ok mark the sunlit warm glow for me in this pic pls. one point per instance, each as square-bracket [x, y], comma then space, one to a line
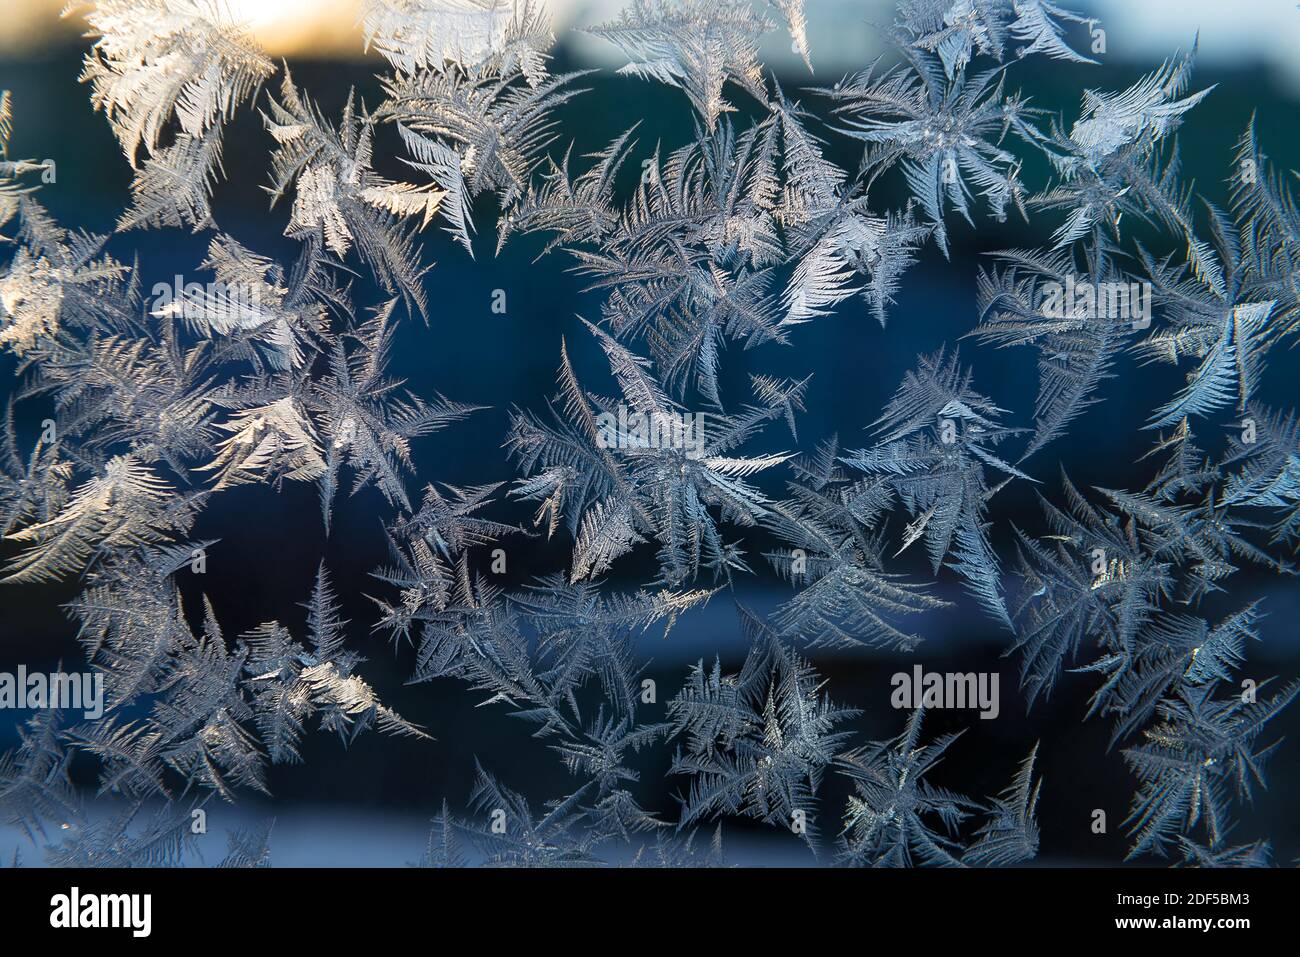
[301, 27]
[282, 27]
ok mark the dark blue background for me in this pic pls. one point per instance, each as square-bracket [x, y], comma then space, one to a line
[272, 542]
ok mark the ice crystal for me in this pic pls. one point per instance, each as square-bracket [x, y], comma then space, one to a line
[162, 399]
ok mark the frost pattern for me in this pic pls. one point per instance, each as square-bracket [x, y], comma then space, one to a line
[739, 236]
